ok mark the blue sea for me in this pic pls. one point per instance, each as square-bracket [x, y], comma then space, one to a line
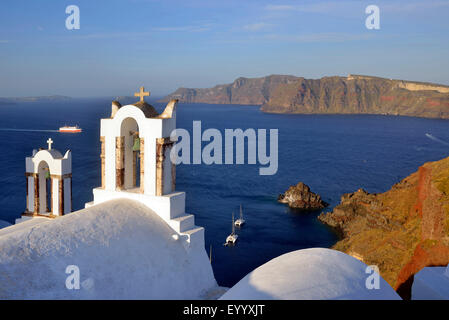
[333, 154]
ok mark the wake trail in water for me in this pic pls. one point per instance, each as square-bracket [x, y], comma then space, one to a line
[27, 130]
[431, 137]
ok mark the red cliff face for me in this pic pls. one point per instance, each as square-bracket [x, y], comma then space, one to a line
[328, 95]
[360, 95]
[426, 254]
[402, 230]
[432, 250]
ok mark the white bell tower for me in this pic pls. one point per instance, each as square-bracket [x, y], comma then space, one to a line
[135, 164]
[49, 183]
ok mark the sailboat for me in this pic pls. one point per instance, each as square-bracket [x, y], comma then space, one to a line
[240, 221]
[232, 238]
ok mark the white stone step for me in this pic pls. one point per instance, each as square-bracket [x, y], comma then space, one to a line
[88, 204]
[182, 223]
[195, 236]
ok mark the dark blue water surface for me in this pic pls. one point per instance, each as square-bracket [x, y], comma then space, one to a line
[333, 154]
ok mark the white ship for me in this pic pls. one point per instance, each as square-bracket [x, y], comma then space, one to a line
[70, 129]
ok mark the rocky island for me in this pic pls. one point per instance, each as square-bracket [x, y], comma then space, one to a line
[354, 94]
[300, 197]
[15, 100]
[402, 230]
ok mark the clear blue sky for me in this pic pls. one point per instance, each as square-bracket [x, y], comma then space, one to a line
[167, 44]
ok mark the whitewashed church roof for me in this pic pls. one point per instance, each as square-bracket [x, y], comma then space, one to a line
[123, 250]
[310, 274]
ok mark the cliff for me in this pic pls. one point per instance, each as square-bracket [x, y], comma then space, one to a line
[256, 91]
[360, 95]
[354, 94]
[402, 230]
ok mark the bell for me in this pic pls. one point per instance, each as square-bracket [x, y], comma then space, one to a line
[47, 174]
[136, 146]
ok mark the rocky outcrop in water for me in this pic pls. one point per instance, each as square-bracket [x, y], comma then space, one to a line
[402, 230]
[300, 197]
[354, 94]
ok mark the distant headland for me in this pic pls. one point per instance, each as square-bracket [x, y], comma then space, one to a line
[14, 100]
[354, 94]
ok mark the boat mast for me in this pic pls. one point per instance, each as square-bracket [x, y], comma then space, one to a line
[233, 225]
[241, 212]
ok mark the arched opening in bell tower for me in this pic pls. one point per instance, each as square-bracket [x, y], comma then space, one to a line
[45, 188]
[132, 157]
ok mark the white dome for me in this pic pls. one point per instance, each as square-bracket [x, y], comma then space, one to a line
[315, 273]
[122, 248]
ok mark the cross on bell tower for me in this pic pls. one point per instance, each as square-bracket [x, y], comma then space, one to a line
[142, 94]
[50, 142]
